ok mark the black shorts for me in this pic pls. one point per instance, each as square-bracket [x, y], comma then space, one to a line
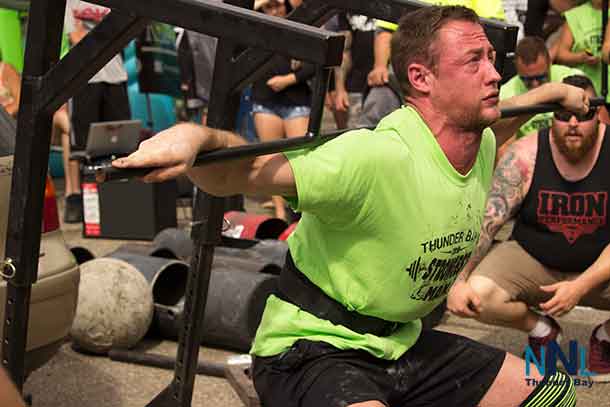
[441, 369]
[97, 102]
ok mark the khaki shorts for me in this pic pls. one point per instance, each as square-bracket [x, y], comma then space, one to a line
[514, 270]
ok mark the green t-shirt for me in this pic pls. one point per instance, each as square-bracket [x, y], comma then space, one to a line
[515, 86]
[585, 23]
[387, 224]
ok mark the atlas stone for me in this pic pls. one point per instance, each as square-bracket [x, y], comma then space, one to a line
[115, 306]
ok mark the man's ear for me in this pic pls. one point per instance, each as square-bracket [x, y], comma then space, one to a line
[419, 77]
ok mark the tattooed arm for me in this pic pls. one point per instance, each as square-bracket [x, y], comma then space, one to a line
[511, 182]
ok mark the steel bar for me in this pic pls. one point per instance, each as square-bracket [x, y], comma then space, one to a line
[105, 172]
[163, 361]
[543, 108]
[28, 182]
[244, 26]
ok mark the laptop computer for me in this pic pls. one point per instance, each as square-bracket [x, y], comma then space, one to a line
[113, 139]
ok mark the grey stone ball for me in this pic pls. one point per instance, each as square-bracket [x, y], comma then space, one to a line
[115, 306]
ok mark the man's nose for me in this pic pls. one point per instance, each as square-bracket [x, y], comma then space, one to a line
[573, 122]
[494, 76]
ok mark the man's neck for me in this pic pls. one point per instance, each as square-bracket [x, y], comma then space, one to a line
[577, 171]
[460, 146]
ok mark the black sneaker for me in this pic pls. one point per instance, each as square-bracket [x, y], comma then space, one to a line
[73, 212]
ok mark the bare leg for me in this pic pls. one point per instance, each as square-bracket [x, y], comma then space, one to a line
[499, 309]
[71, 178]
[368, 404]
[270, 127]
[296, 127]
[61, 123]
[341, 118]
[75, 175]
[9, 396]
[510, 387]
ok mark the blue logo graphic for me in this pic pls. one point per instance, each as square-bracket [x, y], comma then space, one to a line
[575, 365]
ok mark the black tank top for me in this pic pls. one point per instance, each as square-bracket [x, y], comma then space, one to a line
[563, 224]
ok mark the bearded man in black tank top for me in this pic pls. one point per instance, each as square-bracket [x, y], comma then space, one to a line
[555, 184]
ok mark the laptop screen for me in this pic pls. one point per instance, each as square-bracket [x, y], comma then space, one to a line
[116, 138]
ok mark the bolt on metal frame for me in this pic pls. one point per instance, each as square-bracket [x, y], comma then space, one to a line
[247, 42]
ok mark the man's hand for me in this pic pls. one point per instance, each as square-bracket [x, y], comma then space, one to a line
[567, 295]
[574, 99]
[172, 151]
[341, 101]
[379, 76]
[463, 301]
[588, 59]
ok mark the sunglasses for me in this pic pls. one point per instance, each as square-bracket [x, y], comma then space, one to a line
[566, 115]
[539, 78]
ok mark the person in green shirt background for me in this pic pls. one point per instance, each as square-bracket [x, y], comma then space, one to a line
[534, 68]
[11, 43]
[580, 44]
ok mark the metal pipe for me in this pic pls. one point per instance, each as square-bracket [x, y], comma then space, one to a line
[163, 362]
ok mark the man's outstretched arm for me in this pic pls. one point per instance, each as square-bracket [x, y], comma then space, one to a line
[173, 152]
[571, 97]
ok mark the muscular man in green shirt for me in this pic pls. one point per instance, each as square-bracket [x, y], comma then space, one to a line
[389, 218]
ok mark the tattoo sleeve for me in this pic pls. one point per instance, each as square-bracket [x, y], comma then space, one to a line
[510, 184]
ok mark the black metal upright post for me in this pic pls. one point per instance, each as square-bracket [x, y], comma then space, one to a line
[30, 163]
[207, 221]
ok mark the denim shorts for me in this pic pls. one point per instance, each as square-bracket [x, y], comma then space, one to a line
[285, 112]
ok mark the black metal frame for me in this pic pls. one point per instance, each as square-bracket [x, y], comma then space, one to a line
[247, 41]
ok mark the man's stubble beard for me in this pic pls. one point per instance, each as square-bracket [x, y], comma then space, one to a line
[575, 154]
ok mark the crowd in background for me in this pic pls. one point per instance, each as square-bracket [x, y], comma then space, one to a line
[362, 91]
